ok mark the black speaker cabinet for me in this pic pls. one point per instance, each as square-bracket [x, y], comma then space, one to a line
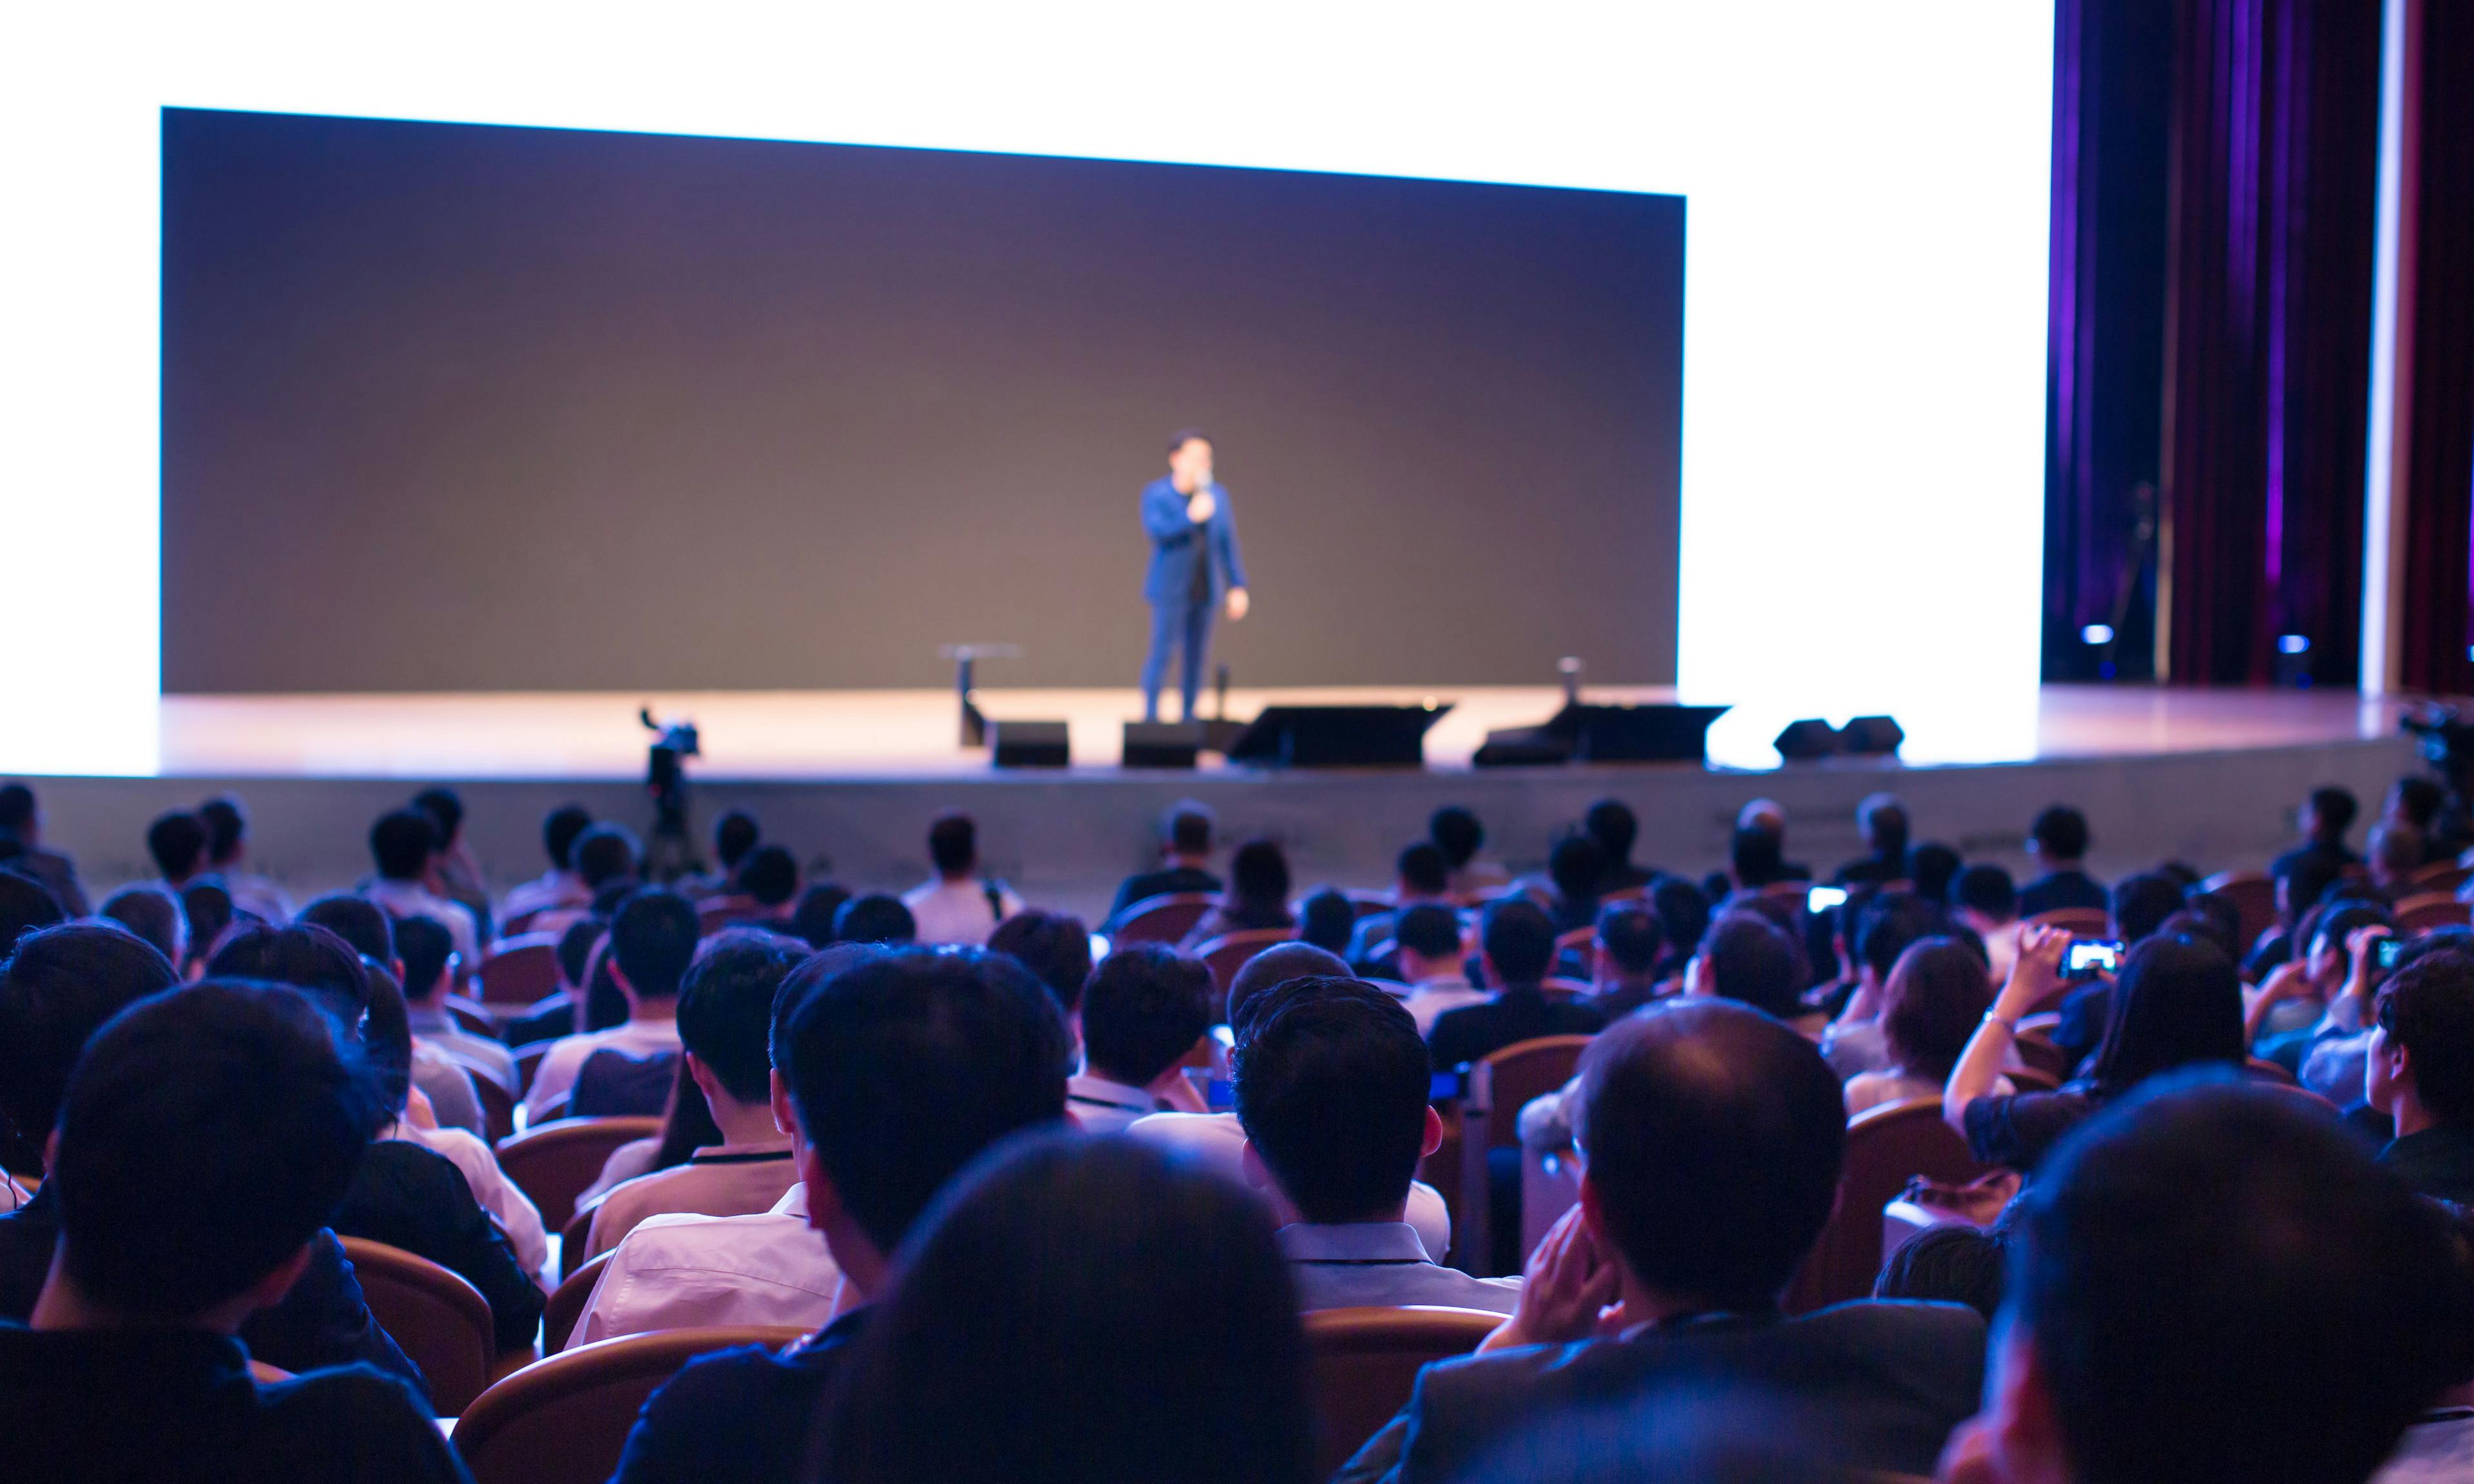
[1030, 744]
[1162, 744]
[1337, 736]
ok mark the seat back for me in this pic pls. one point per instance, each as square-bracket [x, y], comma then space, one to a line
[2423, 913]
[497, 1107]
[439, 1320]
[2078, 921]
[565, 1306]
[1364, 1362]
[710, 920]
[1164, 919]
[559, 1160]
[2441, 875]
[1886, 1146]
[1228, 953]
[572, 1239]
[1580, 937]
[1499, 1084]
[2253, 896]
[565, 1419]
[518, 971]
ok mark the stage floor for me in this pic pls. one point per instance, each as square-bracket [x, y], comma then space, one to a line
[787, 736]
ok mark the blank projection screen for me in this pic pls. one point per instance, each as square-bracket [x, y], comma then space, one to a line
[547, 408]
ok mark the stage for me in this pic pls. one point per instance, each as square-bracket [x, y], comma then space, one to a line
[849, 779]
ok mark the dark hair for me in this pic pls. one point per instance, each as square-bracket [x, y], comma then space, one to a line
[1422, 868]
[2142, 903]
[1331, 1088]
[25, 905]
[402, 843]
[1752, 961]
[734, 834]
[445, 809]
[2427, 1007]
[1429, 929]
[2219, 921]
[1189, 830]
[1456, 832]
[305, 956]
[1937, 991]
[1268, 970]
[2178, 1255]
[1714, 1136]
[1886, 923]
[1184, 436]
[2060, 832]
[1613, 824]
[771, 874]
[1258, 875]
[726, 1007]
[2336, 809]
[358, 921]
[16, 807]
[905, 1065]
[1327, 918]
[209, 911]
[2176, 1002]
[813, 918]
[2306, 876]
[1144, 1008]
[606, 852]
[1055, 948]
[875, 917]
[560, 829]
[1757, 857]
[575, 948]
[55, 989]
[385, 1036]
[1576, 865]
[208, 1134]
[686, 1121]
[1951, 1264]
[1986, 889]
[2419, 799]
[423, 944]
[1682, 909]
[1932, 867]
[653, 938]
[178, 842]
[1629, 932]
[1518, 940]
[2336, 921]
[1884, 821]
[953, 843]
[1139, 1324]
[151, 913]
[226, 823]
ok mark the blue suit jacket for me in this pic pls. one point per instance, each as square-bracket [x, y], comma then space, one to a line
[1174, 548]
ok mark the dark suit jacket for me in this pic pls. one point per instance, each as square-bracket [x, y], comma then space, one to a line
[1865, 1385]
[1516, 1015]
[410, 1197]
[2060, 889]
[1168, 880]
[1177, 544]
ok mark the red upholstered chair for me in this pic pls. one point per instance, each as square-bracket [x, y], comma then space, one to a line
[2432, 909]
[2441, 875]
[565, 1420]
[1367, 903]
[441, 1321]
[1365, 1361]
[2253, 896]
[1499, 1084]
[1161, 918]
[1886, 1147]
[2078, 921]
[565, 1306]
[518, 971]
[1228, 953]
[556, 1161]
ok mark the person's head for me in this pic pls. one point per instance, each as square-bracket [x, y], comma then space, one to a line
[1744, 957]
[1885, 925]
[2323, 934]
[445, 810]
[208, 908]
[726, 1013]
[875, 917]
[1422, 872]
[305, 956]
[25, 904]
[2393, 852]
[1189, 458]
[1627, 941]
[426, 951]
[813, 918]
[1576, 865]
[2328, 813]
[734, 835]
[1056, 946]
[1327, 918]
[1332, 1090]
[652, 941]
[954, 844]
[358, 921]
[1457, 833]
[1763, 814]
[900, 1068]
[2303, 883]
[1428, 938]
[152, 913]
[226, 822]
[2222, 920]
[19, 815]
[1258, 875]
[1937, 993]
[1613, 824]
[1682, 911]
[178, 842]
[1186, 833]
[1137, 1322]
[576, 949]
[1145, 1012]
[402, 843]
[1714, 1136]
[2422, 1041]
[2177, 1002]
[2212, 1282]
[56, 988]
[1931, 869]
[1884, 821]
[2416, 799]
[1516, 942]
[1951, 1264]
[769, 874]
[2141, 903]
[1757, 857]
[1987, 893]
[1268, 970]
[561, 827]
[606, 854]
[206, 1134]
[2059, 836]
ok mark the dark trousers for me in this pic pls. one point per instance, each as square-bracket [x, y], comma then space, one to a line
[1189, 622]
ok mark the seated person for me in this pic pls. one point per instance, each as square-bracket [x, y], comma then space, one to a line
[1332, 1092]
[2058, 840]
[1956, 1263]
[1420, 876]
[1054, 945]
[2306, 882]
[898, 1069]
[1715, 1140]
[427, 953]
[1885, 925]
[25, 904]
[652, 941]
[1185, 861]
[2211, 1281]
[1984, 900]
[812, 917]
[2281, 1018]
[2333, 1064]
[177, 843]
[2136, 907]
[226, 822]
[2324, 818]
[1257, 896]
[562, 885]
[1937, 993]
[875, 917]
[2420, 1072]
[1882, 821]
[956, 906]
[1613, 824]
[609, 862]
[1574, 868]
[1932, 867]
[1145, 1018]
[1434, 963]
[203, 1140]
[736, 835]
[408, 852]
[1515, 949]
[60, 985]
[1624, 957]
[1682, 911]
[769, 885]
[21, 820]
[369, 931]
[153, 914]
[726, 1025]
[2394, 853]
[1456, 831]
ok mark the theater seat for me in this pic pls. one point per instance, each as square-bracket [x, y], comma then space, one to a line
[2078, 921]
[565, 1420]
[441, 1321]
[1499, 1084]
[556, 1161]
[1228, 953]
[1161, 918]
[2253, 896]
[565, 1306]
[1364, 1362]
[2432, 910]
[518, 971]
[1886, 1147]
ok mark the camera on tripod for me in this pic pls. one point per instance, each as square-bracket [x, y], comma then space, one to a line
[671, 853]
[2445, 743]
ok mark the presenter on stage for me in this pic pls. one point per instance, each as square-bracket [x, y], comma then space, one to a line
[1194, 565]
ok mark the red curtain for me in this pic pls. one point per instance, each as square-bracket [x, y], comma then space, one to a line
[2435, 461]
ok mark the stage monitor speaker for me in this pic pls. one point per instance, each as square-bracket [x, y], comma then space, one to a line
[1807, 741]
[1337, 736]
[1162, 744]
[1016, 744]
[1605, 733]
[1872, 735]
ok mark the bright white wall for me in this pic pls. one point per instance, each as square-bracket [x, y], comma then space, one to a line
[1865, 272]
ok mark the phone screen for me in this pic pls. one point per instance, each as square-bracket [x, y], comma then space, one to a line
[1821, 898]
[2386, 951]
[2087, 960]
[1444, 1086]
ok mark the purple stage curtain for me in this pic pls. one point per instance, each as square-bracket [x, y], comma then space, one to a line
[2436, 335]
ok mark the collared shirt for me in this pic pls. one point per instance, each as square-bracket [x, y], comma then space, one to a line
[2438, 1449]
[566, 1057]
[959, 912]
[1104, 1107]
[1431, 999]
[479, 1055]
[251, 891]
[412, 899]
[1381, 1265]
[510, 1207]
[548, 892]
[687, 1271]
[1217, 1140]
[448, 1084]
[723, 1180]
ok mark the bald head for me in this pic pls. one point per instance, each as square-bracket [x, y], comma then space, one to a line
[1762, 814]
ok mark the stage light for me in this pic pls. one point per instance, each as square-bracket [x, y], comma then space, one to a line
[2096, 633]
[2292, 644]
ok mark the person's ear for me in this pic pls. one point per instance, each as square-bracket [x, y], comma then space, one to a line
[2025, 1434]
[269, 1291]
[786, 1118]
[51, 1149]
[1257, 1174]
[824, 1202]
[1697, 977]
[1433, 1139]
[701, 1075]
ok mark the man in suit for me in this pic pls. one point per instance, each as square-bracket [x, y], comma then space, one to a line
[1194, 565]
[1715, 1136]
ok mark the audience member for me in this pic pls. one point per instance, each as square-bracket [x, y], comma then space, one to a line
[2139, 904]
[956, 906]
[404, 845]
[1433, 963]
[1937, 990]
[2058, 840]
[1951, 1263]
[204, 1139]
[652, 941]
[367, 931]
[425, 950]
[1332, 1092]
[1149, 1325]
[1456, 831]
[208, 908]
[1715, 1138]
[1420, 876]
[1932, 867]
[2396, 855]
[736, 835]
[1624, 958]
[226, 822]
[1682, 916]
[2421, 802]
[768, 879]
[875, 917]
[1768, 816]
[813, 918]
[1573, 868]
[1882, 821]
[899, 1068]
[686, 1126]
[1613, 824]
[456, 873]
[1516, 949]
[25, 905]
[1145, 1018]
[1986, 903]
[1328, 920]
[1885, 925]
[2285, 1014]
[2323, 819]
[153, 914]
[1756, 861]
[1185, 851]
[2420, 1071]
[560, 888]
[21, 820]
[1257, 896]
[608, 858]
[2303, 881]
[176, 841]
[1054, 946]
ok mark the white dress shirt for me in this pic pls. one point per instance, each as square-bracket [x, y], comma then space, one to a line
[1431, 999]
[412, 899]
[566, 1057]
[721, 1180]
[510, 1207]
[1104, 1107]
[548, 892]
[256, 894]
[957, 912]
[1381, 1265]
[685, 1271]
[1218, 1141]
